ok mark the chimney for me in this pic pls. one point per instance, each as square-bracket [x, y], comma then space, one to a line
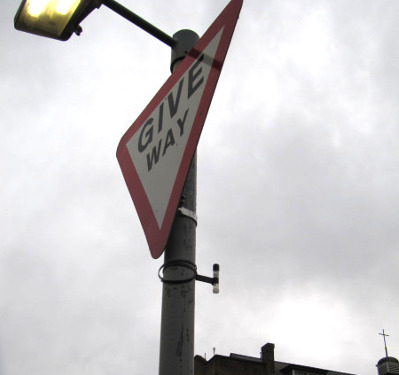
[268, 358]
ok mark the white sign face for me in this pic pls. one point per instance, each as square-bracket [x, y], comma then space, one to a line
[157, 148]
[155, 153]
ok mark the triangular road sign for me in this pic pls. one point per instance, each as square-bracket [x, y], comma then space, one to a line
[156, 151]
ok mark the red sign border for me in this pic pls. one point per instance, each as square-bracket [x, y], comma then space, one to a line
[157, 237]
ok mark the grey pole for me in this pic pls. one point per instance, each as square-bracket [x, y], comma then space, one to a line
[178, 295]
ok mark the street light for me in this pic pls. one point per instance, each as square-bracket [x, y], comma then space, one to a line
[59, 19]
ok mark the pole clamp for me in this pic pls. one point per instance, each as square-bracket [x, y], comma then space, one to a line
[188, 213]
[192, 267]
[178, 263]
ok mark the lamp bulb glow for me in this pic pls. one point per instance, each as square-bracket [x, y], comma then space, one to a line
[36, 7]
[64, 6]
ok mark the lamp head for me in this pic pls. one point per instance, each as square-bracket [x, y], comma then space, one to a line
[57, 19]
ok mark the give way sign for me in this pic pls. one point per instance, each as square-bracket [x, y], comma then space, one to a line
[156, 151]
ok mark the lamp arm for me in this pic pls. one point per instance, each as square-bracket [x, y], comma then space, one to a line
[140, 22]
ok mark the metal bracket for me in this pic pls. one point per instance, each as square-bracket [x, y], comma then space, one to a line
[188, 213]
[191, 266]
[178, 263]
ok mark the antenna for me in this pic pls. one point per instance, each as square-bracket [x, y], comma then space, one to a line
[385, 343]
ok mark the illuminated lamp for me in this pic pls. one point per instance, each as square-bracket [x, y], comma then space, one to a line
[57, 19]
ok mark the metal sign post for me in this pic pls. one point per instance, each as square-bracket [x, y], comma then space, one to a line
[157, 156]
[178, 293]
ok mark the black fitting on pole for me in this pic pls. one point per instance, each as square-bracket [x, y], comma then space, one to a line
[185, 40]
[191, 266]
[178, 263]
[140, 22]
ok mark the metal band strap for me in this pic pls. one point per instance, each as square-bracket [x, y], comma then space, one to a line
[188, 213]
[178, 263]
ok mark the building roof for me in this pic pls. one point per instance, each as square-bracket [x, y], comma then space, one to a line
[281, 368]
[387, 359]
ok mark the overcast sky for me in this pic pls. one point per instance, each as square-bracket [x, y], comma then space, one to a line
[298, 174]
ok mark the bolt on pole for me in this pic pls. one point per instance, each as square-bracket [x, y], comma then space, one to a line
[178, 294]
